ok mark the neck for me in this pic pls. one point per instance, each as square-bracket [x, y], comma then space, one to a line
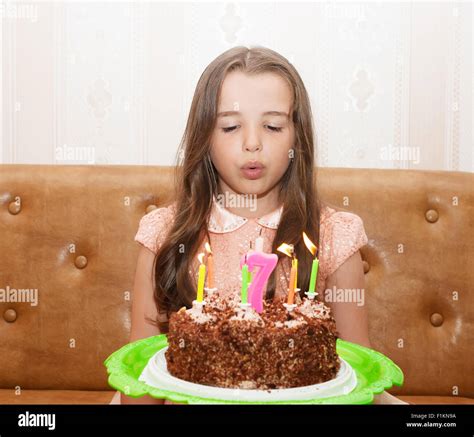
[249, 205]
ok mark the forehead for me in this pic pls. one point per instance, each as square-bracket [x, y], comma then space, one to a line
[255, 93]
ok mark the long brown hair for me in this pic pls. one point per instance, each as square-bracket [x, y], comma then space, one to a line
[196, 182]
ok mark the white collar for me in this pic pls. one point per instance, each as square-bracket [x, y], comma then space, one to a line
[222, 220]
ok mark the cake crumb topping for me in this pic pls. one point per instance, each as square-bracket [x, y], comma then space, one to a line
[199, 316]
[290, 323]
[247, 313]
[314, 309]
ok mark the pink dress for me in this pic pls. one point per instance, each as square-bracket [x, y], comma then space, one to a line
[341, 235]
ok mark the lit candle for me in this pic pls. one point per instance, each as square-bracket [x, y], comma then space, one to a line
[202, 275]
[249, 277]
[315, 266]
[245, 284]
[266, 263]
[210, 266]
[289, 250]
[295, 262]
[291, 291]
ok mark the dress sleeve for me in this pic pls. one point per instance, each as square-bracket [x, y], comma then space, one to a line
[343, 235]
[154, 227]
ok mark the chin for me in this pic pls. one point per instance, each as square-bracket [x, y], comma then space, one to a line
[254, 187]
[256, 191]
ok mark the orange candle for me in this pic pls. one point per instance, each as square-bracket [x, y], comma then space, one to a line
[295, 261]
[288, 250]
[291, 291]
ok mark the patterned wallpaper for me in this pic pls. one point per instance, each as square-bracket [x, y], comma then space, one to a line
[112, 83]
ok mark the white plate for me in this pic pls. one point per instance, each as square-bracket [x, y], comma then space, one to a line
[156, 375]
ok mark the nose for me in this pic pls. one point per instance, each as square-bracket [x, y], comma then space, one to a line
[252, 148]
[252, 142]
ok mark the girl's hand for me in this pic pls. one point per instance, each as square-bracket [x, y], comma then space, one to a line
[387, 398]
[143, 400]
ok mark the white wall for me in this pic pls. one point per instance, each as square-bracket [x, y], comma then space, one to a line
[111, 83]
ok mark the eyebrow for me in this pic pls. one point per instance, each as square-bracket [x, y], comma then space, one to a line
[229, 113]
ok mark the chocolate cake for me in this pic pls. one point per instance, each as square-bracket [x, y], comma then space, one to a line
[225, 344]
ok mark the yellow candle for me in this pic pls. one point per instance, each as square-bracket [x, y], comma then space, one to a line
[201, 277]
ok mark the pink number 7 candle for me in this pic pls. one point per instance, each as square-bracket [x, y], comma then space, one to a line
[266, 263]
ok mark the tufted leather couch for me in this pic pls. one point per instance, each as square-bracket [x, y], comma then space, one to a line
[68, 231]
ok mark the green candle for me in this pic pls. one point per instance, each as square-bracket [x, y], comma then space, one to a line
[314, 268]
[314, 275]
[245, 283]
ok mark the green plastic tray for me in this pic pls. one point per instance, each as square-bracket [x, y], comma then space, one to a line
[375, 373]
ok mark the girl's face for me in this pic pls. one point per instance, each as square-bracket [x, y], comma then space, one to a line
[254, 132]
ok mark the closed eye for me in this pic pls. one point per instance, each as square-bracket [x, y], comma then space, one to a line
[229, 129]
[275, 129]
[232, 128]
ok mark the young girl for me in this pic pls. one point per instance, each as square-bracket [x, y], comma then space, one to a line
[249, 132]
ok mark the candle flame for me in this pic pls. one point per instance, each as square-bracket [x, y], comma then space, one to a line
[201, 257]
[208, 248]
[287, 249]
[309, 244]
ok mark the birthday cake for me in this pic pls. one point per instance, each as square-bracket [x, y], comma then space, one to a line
[227, 344]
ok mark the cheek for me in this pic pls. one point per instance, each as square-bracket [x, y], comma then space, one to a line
[280, 160]
[279, 154]
[222, 152]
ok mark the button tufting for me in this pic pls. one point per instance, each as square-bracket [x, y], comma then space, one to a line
[80, 262]
[14, 207]
[366, 266]
[150, 208]
[9, 315]
[436, 319]
[432, 215]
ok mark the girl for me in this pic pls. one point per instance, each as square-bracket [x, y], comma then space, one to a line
[249, 132]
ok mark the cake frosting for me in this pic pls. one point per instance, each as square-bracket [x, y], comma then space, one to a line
[225, 344]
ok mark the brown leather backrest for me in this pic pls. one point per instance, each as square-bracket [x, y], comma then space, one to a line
[68, 231]
[420, 296]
